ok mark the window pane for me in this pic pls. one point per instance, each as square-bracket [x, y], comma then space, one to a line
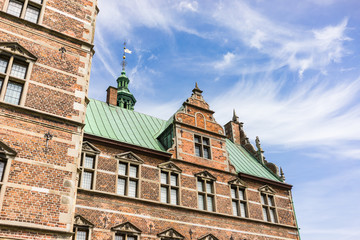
[89, 161]
[241, 194]
[121, 186]
[32, 14]
[263, 199]
[164, 177]
[206, 141]
[265, 214]
[243, 209]
[133, 171]
[272, 215]
[81, 235]
[3, 65]
[173, 180]
[122, 169]
[209, 187]
[164, 194]
[18, 70]
[201, 202]
[235, 208]
[206, 152]
[200, 186]
[271, 200]
[132, 188]
[87, 180]
[174, 196]
[15, 8]
[197, 139]
[198, 150]
[119, 237]
[2, 169]
[210, 204]
[13, 93]
[1, 82]
[131, 238]
[37, 1]
[233, 192]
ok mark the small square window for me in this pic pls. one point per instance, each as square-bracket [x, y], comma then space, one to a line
[202, 147]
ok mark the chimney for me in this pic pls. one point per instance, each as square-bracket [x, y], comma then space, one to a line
[233, 129]
[111, 97]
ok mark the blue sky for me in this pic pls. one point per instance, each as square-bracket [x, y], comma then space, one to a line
[290, 69]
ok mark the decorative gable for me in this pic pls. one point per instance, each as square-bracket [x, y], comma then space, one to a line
[81, 221]
[238, 182]
[17, 49]
[129, 156]
[88, 147]
[170, 234]
[6, 151]
[206, 175]
[126, 227]
[170, 166]
[267, 189]
[208, 237]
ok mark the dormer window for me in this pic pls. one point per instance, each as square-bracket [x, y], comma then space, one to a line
[29, 10]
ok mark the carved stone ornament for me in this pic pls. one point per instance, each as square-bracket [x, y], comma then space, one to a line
[206, 175]
[238, 182]
[170, 234]
[267, 189]
[126, 227]
[17, 49]
[81, 221]
[129, 156]
[88, 147]
[208, 237]
[6, 151]
[170, 166]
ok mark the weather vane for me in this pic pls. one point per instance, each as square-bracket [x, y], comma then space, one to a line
[124, 57]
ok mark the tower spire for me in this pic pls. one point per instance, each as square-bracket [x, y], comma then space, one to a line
[125, 99]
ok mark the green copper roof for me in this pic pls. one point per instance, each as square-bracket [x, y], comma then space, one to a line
[244, 162]
[139, 129]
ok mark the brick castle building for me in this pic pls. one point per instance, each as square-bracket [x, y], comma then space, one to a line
[78, 168]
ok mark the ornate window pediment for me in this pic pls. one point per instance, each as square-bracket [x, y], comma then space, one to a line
[89, 148]
[82, 222]
[205, 175]
[170, 234]
[170, 166]
[126, 227]
[208, 237]
[267, 189]
[18, 50]
[237, 182]
[6, 151]
[129, 157]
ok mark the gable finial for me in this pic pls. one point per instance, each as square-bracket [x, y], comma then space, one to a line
[260, 151]
[282, 175]
[235, 117]
[197, 90]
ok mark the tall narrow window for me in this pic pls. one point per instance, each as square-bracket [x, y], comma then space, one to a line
[239, 202]
[28, 9]
[205, 194]
[82, 228]
[268, 206]
[169, 187]
[128, 178]
[202, 147]
[87, 171]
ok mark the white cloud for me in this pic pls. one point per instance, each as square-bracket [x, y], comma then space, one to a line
[188, 6]
[226, 62]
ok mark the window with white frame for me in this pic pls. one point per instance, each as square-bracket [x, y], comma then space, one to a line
[29, 10]
[15, 66]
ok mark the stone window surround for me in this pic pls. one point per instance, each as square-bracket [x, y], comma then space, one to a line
[13, 55]
[206, 177]
[170, 169]
[130, 159]
[80, 223]
[126, 230]
[7, 155]
[88, 150]
[239, 188]
[268, 192]
[202, 145]
[23, 11]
